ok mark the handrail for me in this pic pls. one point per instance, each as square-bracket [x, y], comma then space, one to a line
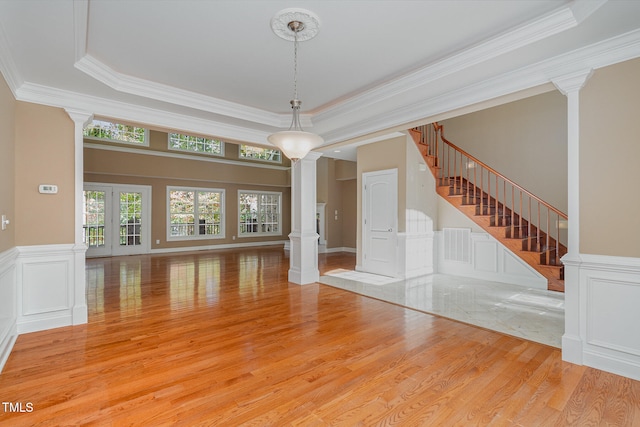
[440, 128]
[519, 210]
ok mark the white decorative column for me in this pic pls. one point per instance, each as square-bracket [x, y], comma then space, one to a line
[574, 296]
[303, 255]
[79, 311]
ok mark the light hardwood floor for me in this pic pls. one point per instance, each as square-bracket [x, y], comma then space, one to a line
[221, 338]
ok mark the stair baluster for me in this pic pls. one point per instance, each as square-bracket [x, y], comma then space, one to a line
[506, 219]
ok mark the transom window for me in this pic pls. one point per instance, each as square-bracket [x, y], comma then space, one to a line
[195, 213]
[260, 213]
[259, 153]
[195, 144]
[116, 132]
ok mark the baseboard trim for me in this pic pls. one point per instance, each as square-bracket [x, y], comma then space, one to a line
[214, 247]
[335, 250]
[8, 303]
[7, 345]
[611, 363]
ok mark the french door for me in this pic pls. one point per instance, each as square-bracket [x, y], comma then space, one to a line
[116, 219]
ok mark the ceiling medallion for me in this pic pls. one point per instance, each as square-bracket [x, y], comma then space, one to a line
[309, 20]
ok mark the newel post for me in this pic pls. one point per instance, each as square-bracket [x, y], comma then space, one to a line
[575, 298]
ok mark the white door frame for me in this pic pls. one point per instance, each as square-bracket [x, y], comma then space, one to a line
[385, 263]
[112, 218]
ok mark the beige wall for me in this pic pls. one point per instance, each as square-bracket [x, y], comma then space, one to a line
[349, 212]
[609, 155]
[525, 140]
[7, 153]
[346, 170]
[421, 195]
[336, 187]
[379, 156]
[44, 153]
[116, 167]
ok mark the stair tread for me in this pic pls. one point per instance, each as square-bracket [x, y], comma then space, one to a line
[550, 271]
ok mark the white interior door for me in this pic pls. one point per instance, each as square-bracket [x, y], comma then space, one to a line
[380, 222]
[117, 219]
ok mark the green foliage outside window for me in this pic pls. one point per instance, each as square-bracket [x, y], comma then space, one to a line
[115, 132]
[195, 213]
[194, 144]
[259, 153]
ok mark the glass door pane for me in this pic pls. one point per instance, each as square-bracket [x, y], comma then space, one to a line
[130, 218]
[95, 218]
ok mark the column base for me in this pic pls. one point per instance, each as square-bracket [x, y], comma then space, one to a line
[304, 258]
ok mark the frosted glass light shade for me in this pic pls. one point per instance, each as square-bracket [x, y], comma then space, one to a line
[295, 144]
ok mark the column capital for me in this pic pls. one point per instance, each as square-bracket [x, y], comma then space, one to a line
[572, 82]
[312, 155]
[79, 116]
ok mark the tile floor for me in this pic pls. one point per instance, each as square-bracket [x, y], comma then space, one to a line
[533, 314]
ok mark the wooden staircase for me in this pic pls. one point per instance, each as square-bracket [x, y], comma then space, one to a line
[531, 228]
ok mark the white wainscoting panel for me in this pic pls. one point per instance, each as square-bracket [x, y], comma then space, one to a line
[415, 254]
[489, 260]
[485, 255]
[8, 312]
[46, 286]
[611, 313]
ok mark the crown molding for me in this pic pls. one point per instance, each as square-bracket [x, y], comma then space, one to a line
[559, 20]
[161, 92]
[573, 82]
[608, 52]
[80, 27]
[598, 55]
[29, 92]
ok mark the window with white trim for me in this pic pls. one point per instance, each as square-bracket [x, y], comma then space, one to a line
[116, 132]
[195, 213]
[259, 213]
[260, 153]
[195, 144]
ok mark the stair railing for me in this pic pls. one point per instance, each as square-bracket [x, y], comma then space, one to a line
[540, 226]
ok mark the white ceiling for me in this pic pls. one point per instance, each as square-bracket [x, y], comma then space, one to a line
[214, 67]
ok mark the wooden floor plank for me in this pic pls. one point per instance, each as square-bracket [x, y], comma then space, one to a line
[221, 338]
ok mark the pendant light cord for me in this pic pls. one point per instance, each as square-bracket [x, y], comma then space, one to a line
[295, 26]
[295, 63]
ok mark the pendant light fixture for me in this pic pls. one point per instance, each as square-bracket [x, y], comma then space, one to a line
[295, 25]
